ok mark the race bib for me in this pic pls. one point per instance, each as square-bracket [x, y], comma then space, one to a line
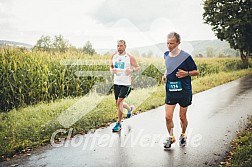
[119, 65]
[174, 86]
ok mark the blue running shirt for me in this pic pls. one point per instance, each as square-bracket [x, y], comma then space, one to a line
[184, 62]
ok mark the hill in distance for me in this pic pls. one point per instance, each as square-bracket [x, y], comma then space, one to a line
[14, 44]
[203, 48]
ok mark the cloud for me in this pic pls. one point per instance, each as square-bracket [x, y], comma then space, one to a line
[156, 18]
[7, 20]
[5, 8]
[27, 20]
[142, 13]
[102, 22]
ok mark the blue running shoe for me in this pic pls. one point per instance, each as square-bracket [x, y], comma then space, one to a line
[117, 127]
[129, 114]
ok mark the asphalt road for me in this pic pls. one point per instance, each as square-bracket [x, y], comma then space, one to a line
[214, 119]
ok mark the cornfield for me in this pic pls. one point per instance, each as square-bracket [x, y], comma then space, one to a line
[30, 77]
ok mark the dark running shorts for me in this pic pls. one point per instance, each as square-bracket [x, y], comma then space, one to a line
[183, 102]
[121, 91]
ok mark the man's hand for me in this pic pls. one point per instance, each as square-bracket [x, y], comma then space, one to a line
[128, 71]
[181, 73]
[113, 71]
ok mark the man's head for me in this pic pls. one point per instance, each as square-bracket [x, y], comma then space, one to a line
[121, 46]
[173, 40]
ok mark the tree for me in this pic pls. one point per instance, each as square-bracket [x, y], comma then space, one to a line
[209, 52]
[221, 55]
[231, 20]
[60, 44]
[44, 43]
[201, 55]
[88, 48]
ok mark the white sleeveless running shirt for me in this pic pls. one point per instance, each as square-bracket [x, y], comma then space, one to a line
[120, 63]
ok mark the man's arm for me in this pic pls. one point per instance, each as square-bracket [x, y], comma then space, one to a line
[111, 66]
[183, 73]
[164, 78]
[193, 73]
[134, 64]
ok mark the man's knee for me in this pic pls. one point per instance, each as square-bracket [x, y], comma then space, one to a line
[183, 118]
[118, 102]
[168, 119]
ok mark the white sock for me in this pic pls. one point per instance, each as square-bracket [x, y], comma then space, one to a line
[171, 132]
[129, 110]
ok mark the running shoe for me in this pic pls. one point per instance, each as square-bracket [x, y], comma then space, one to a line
[169, 142]
[117, 127]
[129, 114]
[182, 140]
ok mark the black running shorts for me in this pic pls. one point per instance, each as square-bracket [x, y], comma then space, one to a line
[183, 102]
[121, 91]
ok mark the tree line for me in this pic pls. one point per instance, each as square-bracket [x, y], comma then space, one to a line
[58, 43]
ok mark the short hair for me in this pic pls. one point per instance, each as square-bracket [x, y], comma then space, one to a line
[122, 41]
[174, 34]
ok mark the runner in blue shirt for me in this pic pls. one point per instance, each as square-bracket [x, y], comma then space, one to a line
[179, 68]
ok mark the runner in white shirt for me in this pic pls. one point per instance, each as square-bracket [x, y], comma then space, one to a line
[122, 65]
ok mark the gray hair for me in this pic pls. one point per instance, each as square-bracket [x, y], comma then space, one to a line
[174, 34]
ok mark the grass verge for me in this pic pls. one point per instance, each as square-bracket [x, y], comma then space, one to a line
[241, 149]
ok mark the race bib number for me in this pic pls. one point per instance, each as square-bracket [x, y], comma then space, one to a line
[174, 86]
[119, 65]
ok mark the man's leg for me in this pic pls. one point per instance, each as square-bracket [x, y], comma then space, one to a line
[119, 104]
[183, 118]
[183, 123]
[125, 105]
[120, 93]
[169, 109]
[129, 109]
[125, 91]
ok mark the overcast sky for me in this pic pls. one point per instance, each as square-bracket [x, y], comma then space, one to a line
[102, 22]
